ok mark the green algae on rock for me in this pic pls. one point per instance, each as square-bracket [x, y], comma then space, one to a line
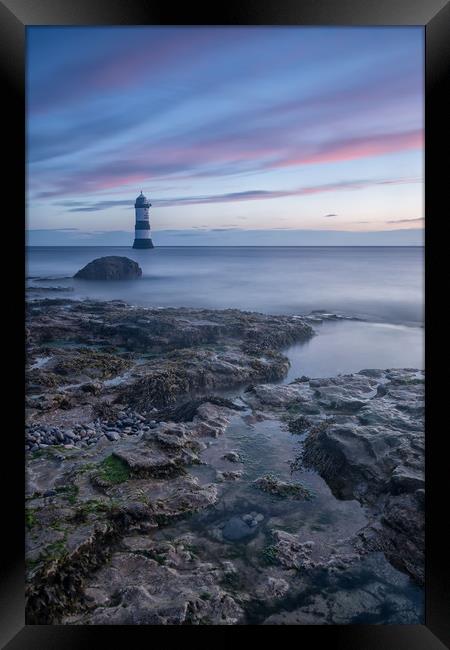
[273, 485]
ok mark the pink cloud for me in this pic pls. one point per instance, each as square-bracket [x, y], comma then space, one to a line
[219, 156]
[354, 148]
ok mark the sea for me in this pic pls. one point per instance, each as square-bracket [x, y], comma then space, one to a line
[378, 290]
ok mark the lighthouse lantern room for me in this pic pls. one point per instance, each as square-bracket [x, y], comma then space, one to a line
[142, 233]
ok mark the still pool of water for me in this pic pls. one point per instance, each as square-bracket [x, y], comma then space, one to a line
[343, 347]
[266, 447]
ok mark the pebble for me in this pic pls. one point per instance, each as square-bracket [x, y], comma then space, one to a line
[253, 519]
[127, 423]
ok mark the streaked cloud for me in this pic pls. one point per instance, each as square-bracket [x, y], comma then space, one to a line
[415, 220]
[248, 195]
[222, 116]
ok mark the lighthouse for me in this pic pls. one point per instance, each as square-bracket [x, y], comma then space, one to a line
[142, 234]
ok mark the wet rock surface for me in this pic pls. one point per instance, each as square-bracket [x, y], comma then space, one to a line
[109, 436]
[81, 502]
[154, 498]
[107, 367]
[364, 434]
[138, 590]
[273, 485]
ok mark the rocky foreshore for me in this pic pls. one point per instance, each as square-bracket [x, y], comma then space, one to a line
[130, 417]
[364, 434]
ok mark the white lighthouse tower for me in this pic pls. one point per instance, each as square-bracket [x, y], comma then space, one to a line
[142, 234]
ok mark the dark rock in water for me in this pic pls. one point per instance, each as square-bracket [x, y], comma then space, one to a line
[272, 485]
[186, 411]
[110, 268]
[236, 529]
[232, 456]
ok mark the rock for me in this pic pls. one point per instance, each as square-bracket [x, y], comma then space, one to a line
[110, 268]
[232, 456]
[291, 553]
[237, 529]
[147, 461]
[406, 480]
[357, 599]
[190, 351]
[93, 387]
[137, 590]
[228, 476]
[376, 455]
[275, 486]
[253, 519]
[365, 436]
[272, 588]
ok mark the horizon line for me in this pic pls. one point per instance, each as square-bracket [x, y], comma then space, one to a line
[232, 246]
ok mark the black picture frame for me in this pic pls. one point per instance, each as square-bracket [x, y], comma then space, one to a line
[15, 16]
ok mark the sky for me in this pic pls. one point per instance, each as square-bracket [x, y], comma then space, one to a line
[293, 135]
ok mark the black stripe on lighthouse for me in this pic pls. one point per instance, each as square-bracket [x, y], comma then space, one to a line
[142, 230]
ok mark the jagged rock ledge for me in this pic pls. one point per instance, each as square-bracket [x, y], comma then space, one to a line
[364, 434]
[97, 368]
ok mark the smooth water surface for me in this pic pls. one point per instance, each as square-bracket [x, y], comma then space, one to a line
[380, 284]
[343, 347]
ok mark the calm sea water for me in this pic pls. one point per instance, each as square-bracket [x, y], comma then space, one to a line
[382, 286]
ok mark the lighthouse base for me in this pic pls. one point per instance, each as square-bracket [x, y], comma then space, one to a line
[143, 243]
